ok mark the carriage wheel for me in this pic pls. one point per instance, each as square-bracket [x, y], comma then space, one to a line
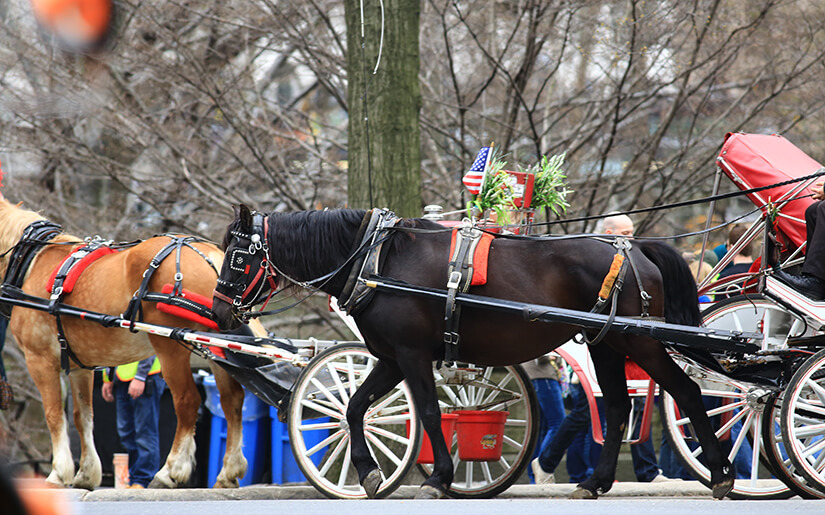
[495, 388]
[803, 420]
[777, 455]
[318, 430]
[731, 401]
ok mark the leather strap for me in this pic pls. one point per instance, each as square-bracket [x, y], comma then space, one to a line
[459, 277]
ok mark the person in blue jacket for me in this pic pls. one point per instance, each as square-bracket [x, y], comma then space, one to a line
[136, 389]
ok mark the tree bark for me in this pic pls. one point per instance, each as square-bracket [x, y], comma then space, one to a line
[384, 167]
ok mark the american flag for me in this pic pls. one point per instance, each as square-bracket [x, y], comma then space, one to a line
[474, 178]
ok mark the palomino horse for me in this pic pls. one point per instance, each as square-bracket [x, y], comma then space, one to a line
[107, 286]
[406, 332]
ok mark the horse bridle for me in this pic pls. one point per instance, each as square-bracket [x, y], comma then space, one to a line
[241, 260]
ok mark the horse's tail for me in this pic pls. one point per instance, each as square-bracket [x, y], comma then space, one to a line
[681, 297]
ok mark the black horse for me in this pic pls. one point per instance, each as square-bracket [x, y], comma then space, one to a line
[406, 332]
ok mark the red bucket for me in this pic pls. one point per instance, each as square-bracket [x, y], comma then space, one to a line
[480, 434]
[448, 421]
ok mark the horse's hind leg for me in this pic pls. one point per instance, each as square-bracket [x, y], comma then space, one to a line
[419, 374]
[378, 383]
[232, 399]
[174, 363]
[611, 376]
[89, 474]
[655, 361]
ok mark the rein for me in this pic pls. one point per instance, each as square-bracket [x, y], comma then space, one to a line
[259, 238]
[704, 200]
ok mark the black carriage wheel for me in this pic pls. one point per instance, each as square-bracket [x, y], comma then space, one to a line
[501, 388]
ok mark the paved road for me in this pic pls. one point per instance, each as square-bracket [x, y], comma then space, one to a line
[606, 505]
[671, 498]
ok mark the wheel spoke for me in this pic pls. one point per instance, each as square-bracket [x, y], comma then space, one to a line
[332, 398]
[372, 437]
[321, 409]
[339, 386]
[343, 446]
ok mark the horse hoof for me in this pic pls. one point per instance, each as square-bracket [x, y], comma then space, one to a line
[723, 488]
[82, 481]
[583, 493]
[429, 492]
[160, 483]
[371, 483]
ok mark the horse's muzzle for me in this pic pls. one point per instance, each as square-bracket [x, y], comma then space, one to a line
[224, 315]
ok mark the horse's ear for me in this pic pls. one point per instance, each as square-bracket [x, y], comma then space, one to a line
[244, 214]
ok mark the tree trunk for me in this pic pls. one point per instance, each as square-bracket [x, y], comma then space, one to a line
[383, 150]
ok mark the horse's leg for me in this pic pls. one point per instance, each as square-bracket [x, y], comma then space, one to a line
[653, 358]
[609, 366]
[44, 369]
[89, 474]
[232, 398]
[378, 383]
[419, 375]
[174, 364]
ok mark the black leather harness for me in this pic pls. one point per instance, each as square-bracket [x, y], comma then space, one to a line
[41, 232]
[459, 278]
[134, 311]
[623, 247]
[38, 234]
[374, 231]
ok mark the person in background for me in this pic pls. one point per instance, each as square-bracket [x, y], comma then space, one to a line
[700, 270]
[618, 224]
[575, 427]
[136, 389]
[743, 260]
[546, 374]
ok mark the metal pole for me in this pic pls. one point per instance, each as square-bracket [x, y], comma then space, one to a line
[708, 221]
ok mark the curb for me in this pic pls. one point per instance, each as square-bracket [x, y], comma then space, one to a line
[673, 488]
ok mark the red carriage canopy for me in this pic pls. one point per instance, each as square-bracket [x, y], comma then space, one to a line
[756, 160]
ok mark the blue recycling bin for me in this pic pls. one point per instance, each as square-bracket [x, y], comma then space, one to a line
[284, 467]
[255, 435]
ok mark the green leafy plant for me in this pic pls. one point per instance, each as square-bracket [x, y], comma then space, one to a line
[548, 188]
[497, 192]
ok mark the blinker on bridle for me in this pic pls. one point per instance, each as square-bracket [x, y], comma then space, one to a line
[240, 260]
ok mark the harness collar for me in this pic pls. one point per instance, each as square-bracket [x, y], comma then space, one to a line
[36, 235]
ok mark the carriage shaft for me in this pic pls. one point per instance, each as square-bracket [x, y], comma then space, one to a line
[711, 339]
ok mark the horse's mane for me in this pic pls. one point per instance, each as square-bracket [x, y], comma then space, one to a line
[309, 244]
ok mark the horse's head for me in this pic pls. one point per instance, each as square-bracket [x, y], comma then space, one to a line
[246, 274]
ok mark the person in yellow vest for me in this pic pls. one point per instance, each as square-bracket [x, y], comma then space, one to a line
[136, 389]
